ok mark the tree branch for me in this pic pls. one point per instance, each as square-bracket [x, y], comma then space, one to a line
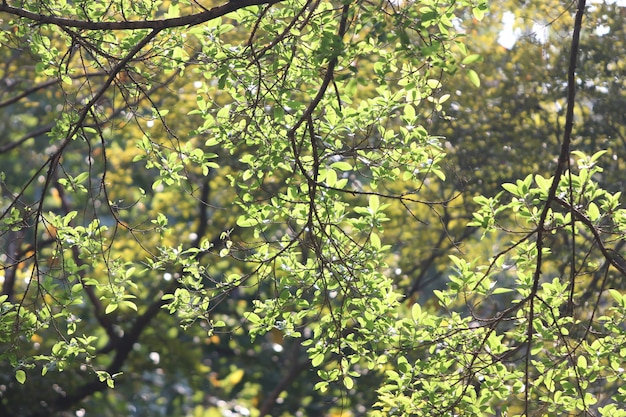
[294, 369]
[159, 24]
[12, 145]
[558, 173]
[45, 85]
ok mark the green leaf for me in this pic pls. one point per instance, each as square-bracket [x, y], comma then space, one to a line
[20, 376]
[244, 221]
[542, 183]
[479, 11]
[511, 188]
[129, 304]
[110, 308]
[317, 359]
[252, 317]
[331, 177]
[618, 296]
[593, 211]
[375, 240]
[409, 112]
[433, 83]
[473, 77]
[470, 59]
[342, 166]
[416, 312]
[374, 203]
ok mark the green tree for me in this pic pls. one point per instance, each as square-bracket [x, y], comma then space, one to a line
[223, 201]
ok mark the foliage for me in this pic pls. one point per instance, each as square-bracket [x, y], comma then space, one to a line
[223, 206]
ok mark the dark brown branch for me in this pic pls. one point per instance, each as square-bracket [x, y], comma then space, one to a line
[12, 251]
[12, 145]
[610, 255]
[122, 351]
[558, 173]
[282, 35]
[328, 77]
[45, 85]
[28, 92]
[160, 24]
[295, 367]
[291, 134]
[18, 257]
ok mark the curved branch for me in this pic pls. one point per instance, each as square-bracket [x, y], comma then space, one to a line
[160, 24]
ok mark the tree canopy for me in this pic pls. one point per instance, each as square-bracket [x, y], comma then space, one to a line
[307, 208]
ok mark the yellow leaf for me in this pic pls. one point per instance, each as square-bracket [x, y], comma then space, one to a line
[234, 377]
